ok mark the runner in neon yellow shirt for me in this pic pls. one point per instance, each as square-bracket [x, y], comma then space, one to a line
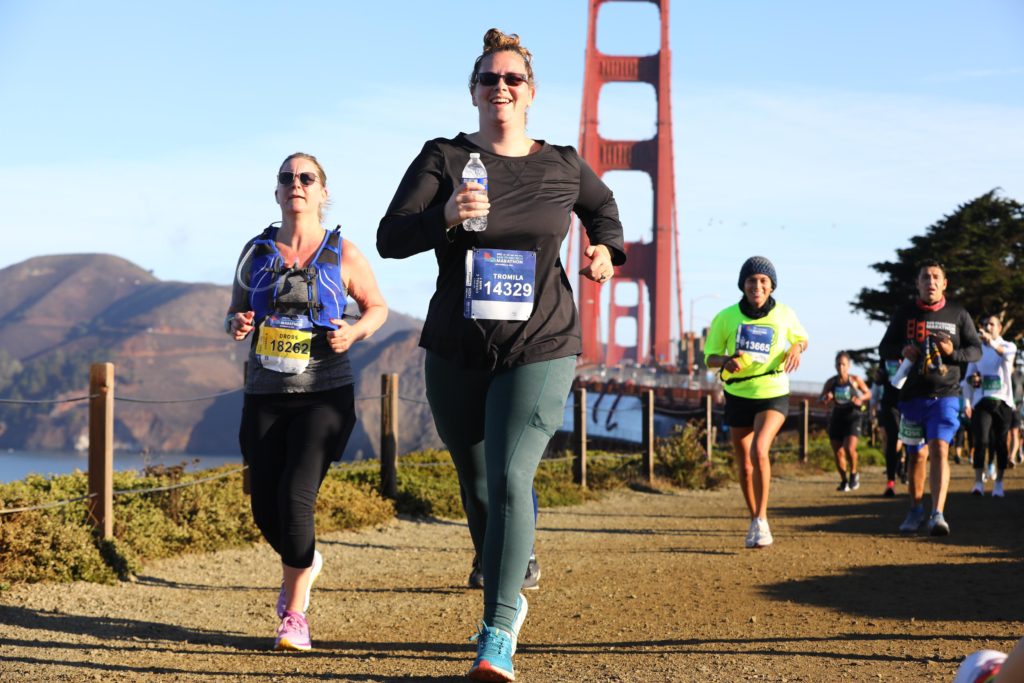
[756, 342]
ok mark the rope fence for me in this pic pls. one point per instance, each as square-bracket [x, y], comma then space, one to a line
[101, 434]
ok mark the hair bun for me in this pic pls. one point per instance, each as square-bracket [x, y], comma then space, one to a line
[495, 39]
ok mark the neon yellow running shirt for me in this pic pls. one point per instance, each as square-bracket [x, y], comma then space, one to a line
[765, 340]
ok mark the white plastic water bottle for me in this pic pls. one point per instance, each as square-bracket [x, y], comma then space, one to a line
[476, 172]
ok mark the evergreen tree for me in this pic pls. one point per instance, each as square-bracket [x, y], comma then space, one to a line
[981, 246]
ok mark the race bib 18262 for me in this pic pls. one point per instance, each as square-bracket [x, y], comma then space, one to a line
[500, 284]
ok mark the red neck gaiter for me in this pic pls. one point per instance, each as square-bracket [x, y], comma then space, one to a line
[932, 307]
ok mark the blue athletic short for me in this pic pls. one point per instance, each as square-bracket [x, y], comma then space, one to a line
[940, 417]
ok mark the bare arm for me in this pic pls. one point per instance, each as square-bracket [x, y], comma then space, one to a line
[361, 285]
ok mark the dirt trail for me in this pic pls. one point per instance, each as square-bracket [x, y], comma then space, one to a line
[637, 587]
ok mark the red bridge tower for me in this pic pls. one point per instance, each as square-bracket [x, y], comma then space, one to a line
[649, 264]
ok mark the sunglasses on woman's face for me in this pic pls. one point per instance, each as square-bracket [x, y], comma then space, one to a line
[489, 78]
[287, 178]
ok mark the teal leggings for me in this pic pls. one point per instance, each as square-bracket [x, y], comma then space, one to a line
[496, 425]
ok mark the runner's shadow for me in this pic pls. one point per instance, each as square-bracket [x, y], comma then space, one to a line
[115, 629]
[981, 591]
[974, 520]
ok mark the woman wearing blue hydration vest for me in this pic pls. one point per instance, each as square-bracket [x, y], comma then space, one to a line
[289, 292]
[502, 333]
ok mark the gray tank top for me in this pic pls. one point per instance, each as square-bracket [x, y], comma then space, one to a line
[326, 369]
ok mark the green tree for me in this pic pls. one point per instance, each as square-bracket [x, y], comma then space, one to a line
[981, 246]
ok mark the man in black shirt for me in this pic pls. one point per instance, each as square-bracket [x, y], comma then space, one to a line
[934, 337]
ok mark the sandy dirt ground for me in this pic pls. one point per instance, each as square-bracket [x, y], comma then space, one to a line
[635, 587]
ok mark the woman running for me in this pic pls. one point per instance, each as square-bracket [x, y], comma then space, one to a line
[289, 292]
[756, 343]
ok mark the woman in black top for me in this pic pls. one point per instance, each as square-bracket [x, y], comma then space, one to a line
[502, 332]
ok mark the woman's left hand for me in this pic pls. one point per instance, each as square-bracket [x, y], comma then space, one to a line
[793, 357]
[343, 338]
[600, 269]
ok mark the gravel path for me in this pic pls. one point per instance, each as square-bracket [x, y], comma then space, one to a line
[636, 587]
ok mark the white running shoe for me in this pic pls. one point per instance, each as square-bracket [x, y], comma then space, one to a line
[763, 538]
[751, 540]
[997, 490]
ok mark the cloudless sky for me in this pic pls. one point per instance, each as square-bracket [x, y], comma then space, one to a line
[822, 135]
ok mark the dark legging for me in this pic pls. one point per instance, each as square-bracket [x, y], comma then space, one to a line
[496, 424]
[289, 441]
[889, 420]
[990, 424]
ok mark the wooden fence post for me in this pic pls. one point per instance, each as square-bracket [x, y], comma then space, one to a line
[101, 448]
[805, 421]
[579, 437]
[647, 438]
[389, 435]
[709, 437]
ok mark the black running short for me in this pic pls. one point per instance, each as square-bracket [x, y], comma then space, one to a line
[740, 412]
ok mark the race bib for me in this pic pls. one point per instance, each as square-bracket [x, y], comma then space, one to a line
[756, 341]
[285, 342]
[842, 394]
[500, 284]
[911, 433]
[991, 383]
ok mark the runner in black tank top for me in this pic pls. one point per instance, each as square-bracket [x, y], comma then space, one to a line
[846, 394]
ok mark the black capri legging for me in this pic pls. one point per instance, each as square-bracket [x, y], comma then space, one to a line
[289, 441]
[990, 423]
[889, 420]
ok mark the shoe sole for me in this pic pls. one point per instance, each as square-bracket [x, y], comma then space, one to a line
[939, 530]
[317, 568]
[485, 671]
[285, 645]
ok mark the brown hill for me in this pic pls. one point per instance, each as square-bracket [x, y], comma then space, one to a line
[166, 342]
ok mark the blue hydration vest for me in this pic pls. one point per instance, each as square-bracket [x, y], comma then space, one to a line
[323, 278]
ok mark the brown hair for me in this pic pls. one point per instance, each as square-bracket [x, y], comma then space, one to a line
[319, 170]
[496, 41]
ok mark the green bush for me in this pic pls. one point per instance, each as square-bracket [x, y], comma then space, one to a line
[681, 460]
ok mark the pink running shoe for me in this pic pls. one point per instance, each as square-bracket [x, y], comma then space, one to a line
[318, 564]
[293, 633]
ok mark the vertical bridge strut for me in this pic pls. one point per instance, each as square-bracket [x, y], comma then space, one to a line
[649, 264]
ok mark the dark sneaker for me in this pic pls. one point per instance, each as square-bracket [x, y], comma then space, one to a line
[476, 575]
[914, 520]
[937, 525]
[854, 481]
[493, 662]
[532, 580]
[843, 487]
[890, 489]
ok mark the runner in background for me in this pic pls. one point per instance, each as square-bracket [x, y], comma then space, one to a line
[989, 394]
[756, 343]
[884, 398]
[933, 336]
[846, 394]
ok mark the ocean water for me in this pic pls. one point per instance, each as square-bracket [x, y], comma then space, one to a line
[16, 465]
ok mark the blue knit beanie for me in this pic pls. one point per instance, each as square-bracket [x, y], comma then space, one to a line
[758, 265]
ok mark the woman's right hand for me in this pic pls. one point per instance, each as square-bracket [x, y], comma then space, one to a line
[241, 325]
[469, 200]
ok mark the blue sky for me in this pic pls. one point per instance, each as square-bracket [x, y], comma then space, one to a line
[822, 135]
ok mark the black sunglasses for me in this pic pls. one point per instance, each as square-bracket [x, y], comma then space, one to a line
[489, 78]
[287, 178]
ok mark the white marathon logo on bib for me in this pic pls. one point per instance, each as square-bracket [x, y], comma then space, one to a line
[500, 284]
[285, 342]
[756, 341]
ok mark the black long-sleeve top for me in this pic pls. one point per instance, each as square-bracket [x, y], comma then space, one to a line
[531, 200]
[911, 325]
